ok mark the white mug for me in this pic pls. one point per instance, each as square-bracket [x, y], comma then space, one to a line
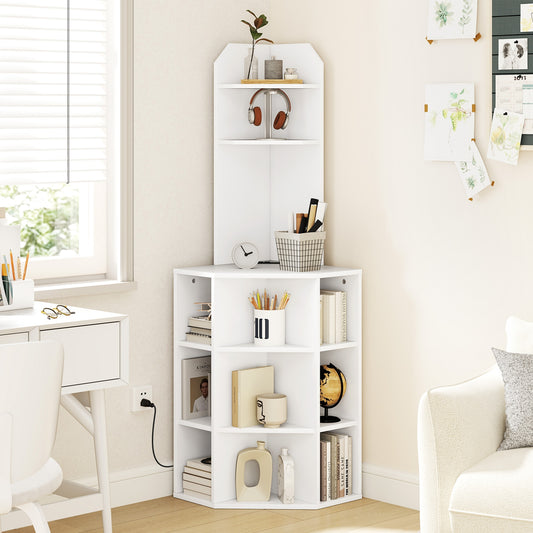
[271, 409]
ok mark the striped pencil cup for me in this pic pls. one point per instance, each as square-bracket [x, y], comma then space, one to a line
[269, 327]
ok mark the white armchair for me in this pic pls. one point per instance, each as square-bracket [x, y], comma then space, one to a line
[30, 390]
[466, 485]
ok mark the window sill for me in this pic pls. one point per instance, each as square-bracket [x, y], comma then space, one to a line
[82, 288]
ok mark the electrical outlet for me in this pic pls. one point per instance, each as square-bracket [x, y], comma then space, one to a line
[138, 394]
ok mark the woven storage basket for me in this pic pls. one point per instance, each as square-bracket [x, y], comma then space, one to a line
[300, 252]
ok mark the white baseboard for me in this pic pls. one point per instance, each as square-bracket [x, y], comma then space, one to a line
[128, 486]
[137, 484]
[390, 486]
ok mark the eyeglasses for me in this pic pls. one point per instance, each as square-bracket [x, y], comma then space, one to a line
[54, 312]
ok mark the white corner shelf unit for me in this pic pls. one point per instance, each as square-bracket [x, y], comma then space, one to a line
[259, 180]
[296, 374]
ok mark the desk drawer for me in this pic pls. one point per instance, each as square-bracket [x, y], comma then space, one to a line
[92, 353]
[14, 337]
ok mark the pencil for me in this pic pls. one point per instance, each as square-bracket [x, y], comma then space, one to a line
[26, 265]
[12, 265]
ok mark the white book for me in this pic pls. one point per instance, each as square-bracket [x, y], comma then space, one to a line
[339, 315]
[198, 464]
[342, 464]
[200, 321]
[196, 487]
[334, 471]
[349, 468]
[198, 338]
[197, 494]
[321, 319]
[197, 472]
[329, 317]
[326, 470]
[197, 479]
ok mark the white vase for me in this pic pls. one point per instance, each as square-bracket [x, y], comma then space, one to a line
[285, 477]
[254, 70]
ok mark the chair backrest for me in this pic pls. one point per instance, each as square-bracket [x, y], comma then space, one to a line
[30, 391]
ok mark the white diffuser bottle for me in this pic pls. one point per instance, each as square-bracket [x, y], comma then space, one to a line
[285, 477]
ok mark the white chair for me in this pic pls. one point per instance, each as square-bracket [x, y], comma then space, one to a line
[467, 485]
[30, 392]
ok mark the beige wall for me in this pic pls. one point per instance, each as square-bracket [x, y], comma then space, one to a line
[441, 274]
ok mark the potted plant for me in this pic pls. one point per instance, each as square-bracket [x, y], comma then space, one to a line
[259, 22]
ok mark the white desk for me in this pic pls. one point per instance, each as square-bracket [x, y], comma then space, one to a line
[96, 357]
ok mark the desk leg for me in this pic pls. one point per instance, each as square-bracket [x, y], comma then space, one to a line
[100, 447]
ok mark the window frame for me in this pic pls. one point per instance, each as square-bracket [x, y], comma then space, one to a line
[119, 273]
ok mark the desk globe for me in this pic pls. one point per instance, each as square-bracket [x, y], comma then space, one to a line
[332, 389]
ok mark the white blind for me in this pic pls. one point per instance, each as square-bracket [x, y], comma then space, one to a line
[56, 73]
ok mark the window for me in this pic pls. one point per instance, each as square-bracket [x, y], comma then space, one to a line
[63, 107]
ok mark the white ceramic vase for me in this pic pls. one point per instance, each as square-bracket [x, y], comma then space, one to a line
[285, 477]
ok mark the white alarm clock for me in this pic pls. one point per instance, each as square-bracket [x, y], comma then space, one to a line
[245, 255]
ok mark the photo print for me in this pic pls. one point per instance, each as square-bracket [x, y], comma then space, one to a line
[512, 54]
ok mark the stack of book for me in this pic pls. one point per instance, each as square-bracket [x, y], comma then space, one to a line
[197, 479]
[199, 329]
[336, 475]
[332, 317]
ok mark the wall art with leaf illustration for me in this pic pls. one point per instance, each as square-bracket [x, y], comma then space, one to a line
[452, 19]
[505, 136]
[473, 172]
[449, 121]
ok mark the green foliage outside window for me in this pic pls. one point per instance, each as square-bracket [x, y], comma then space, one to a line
[47, 215]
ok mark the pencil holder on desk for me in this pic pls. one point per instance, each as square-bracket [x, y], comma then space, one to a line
[300, 252]
[269, 327]
[22, 295]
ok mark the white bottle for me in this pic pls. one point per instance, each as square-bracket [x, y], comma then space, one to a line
[285, 477]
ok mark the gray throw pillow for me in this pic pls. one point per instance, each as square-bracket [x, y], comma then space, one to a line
[517, 373]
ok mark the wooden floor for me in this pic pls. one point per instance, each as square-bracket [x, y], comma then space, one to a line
[166, 515]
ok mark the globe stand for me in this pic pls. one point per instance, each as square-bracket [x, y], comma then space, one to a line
[327, 419]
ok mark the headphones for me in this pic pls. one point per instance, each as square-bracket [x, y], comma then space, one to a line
[282, 118]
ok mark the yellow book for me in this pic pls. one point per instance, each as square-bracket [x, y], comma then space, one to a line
[246, 385]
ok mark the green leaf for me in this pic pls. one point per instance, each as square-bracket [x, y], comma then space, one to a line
[260, 21]
[255, 34]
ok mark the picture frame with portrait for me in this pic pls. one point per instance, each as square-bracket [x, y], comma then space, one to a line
[195, 385]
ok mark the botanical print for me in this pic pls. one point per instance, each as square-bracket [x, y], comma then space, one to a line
[449, 121]
[466, 15]
[473, 172]
[526, 17]
[505, 136]
[512, 54]
[452, 19]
